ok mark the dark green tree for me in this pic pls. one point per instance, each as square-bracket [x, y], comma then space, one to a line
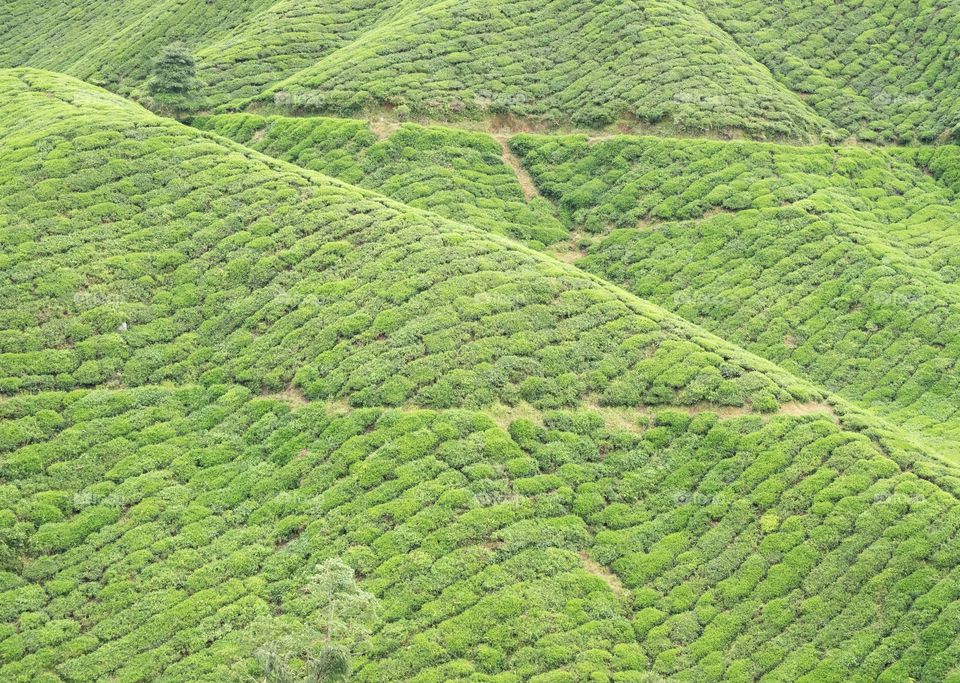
[173, 84]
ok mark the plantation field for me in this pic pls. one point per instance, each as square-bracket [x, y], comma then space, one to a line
[839, 264]
[159, 534]
[298, 278]
[882, 70]
[454, 173]
[804, 70]
[477, 341]
[219, 368]
[687, 223]
[111, 43]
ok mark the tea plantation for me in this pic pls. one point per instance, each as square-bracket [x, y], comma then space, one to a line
[882, 70]
[841, 265]
[548, 407]
[454, 173]
[877, 70]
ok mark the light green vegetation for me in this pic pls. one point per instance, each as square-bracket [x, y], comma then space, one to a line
[454, 173]
[799, 69]
[142, 251]
[160, 534]
[585, 62]
[841, 265]
[881, 70]
[224, 362]
[560, 62]
[109, 42]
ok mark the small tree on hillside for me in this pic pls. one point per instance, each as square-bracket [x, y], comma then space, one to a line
[173, 83]
[343, 618]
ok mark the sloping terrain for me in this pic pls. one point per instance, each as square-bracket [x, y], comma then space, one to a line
[454, 173]
[564, 60]
[142, 251]
[108, 42]
[261, 342]
[162, 535]
[585, 63]
[881, 69]
[876, 70]
[841, 265]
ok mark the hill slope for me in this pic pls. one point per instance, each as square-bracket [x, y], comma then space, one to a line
[216, 259]
[840, 265]
[163, 532]
[455, 173]
[881, 70]
[564, 61]
[878, 71]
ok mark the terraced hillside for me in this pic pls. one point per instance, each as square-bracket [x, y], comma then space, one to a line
[841, 265]
[851, 254]
[876, 70]
[108, 42]
[882, 70]
[454, 173]
[543, 477]
[368, 299]
[565, 61]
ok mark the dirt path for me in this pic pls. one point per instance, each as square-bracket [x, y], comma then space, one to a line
[529, 188]
[602, 572]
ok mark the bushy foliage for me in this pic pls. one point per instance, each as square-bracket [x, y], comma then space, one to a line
[206, 563]
[839, 264]
[880, 70]
[183, 259]
[265, 343]
[453, 173]
[582, 62]
[799, 69]
[586, 63]
[173, 83]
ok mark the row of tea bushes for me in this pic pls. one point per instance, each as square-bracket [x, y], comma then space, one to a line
[453, 173]
[159, 534]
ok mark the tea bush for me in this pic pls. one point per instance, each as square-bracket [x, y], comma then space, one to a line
[798, 69]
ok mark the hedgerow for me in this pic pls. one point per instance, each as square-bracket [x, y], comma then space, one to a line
[839, 264]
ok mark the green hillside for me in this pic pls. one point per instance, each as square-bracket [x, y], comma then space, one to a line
[881, 70]
[875, 70]
[218, 369]
[108, 42]
[561, 62]
[589, 63]
[689, 223]
[841, 265]
[455, 173]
